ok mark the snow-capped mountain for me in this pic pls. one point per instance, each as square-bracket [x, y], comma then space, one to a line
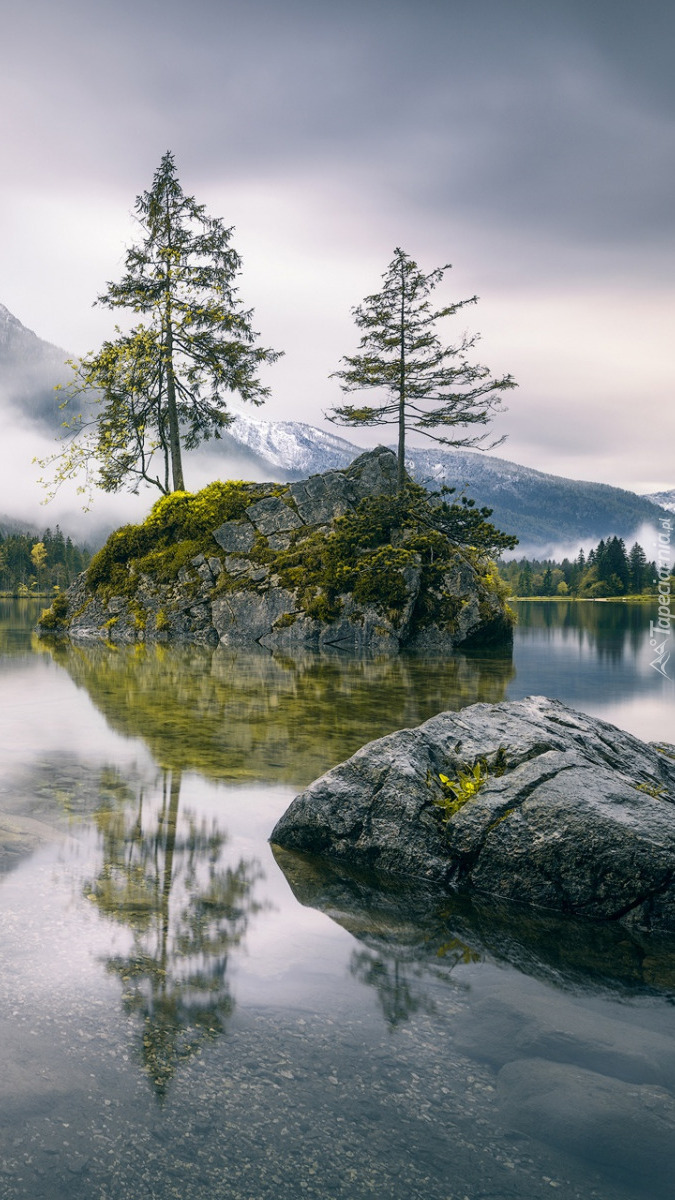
[543, 510]
[290, 448]
[664, 499]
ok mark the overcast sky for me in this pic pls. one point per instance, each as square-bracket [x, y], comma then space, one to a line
[531, 143]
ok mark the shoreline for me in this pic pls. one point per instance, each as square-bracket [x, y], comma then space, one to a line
[585, 599]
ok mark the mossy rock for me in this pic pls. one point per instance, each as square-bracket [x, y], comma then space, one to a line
[218, 563]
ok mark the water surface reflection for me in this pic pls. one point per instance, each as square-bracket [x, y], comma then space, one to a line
[239, 715]
[406, 923]
[338, 1037]
[160, 873]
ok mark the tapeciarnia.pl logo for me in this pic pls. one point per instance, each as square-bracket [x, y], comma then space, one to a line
[660, 631]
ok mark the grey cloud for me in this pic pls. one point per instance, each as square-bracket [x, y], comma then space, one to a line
[526, 113]
[530, 141]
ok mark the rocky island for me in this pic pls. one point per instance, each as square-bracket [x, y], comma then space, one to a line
[526, 801]
[338, 561]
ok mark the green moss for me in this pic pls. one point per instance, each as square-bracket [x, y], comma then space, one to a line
[161, 621]
[53, 619]
[164, 565]
[365, 554]
[140, 615]
[260, 552]
[194, 515]
[177, 529]
[285, 621]
[320, 606]
[380, 579]
[78, 611]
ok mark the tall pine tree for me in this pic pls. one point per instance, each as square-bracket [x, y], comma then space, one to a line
[427, 385]
[161, 387]
[637, 563]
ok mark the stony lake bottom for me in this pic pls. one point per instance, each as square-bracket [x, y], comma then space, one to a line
[186, 1013]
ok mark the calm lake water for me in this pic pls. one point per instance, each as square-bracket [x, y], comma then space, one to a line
[184, 1014]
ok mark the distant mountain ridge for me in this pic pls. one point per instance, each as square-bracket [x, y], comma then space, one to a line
[664, 499]
[541, 509]
[29, 371]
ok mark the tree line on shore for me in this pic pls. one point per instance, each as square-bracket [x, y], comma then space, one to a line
[608, 570]
[32, 565]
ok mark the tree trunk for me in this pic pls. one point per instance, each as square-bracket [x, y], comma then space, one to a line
[172, 409]
[400, 482]
[169, 849]
[174, 427]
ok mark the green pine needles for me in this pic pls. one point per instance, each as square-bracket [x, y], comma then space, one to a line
[427, 385]
[150, 393]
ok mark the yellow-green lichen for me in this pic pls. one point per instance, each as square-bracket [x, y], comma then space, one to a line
[653, 789]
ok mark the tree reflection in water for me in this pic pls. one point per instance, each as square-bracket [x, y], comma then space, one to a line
[401, 981]
[398, 996]
[162, 876]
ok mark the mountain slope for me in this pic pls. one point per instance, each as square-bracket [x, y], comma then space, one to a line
[664, 499]
[542, 509]
[29, 371]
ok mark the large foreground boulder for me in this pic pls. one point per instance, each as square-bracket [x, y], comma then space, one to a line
[550, 807]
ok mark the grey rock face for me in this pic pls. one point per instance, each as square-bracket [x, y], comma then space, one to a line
[321, 498]
[243, 617]
[373, 474]
[235, 536]
[582, 819]
[607, 1122]
[236, 564]
[273, 516]
[432, 640]
[511, 1026]
[237, 596]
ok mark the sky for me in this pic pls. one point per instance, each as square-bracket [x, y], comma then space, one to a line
[530, 143]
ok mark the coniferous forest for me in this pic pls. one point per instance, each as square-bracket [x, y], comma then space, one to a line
[609, 570]
[36, 565]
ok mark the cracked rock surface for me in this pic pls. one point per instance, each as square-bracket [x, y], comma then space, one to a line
[271, 574]
[574, 815]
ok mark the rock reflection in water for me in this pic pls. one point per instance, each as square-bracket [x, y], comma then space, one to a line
[245, 715]
[579, 1062]
[162, 876]
[412, 933]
